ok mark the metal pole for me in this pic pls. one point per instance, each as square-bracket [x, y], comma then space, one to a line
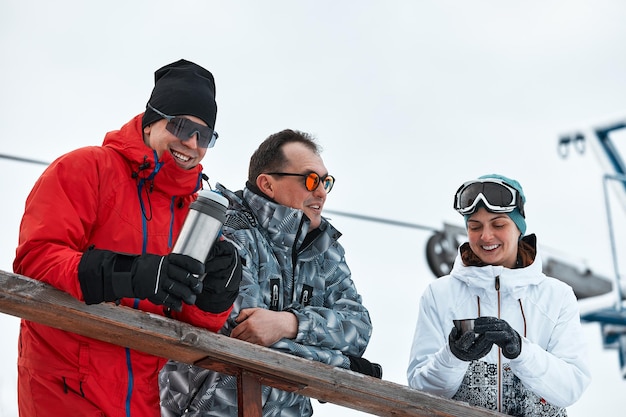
[618, 284]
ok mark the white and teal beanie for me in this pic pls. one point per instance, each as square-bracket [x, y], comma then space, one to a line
[515, 215]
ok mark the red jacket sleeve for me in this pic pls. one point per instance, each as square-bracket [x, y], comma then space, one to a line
[59, 214]
[196, 317]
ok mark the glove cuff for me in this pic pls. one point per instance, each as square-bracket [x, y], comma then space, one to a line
[95, 271]
[121, 277]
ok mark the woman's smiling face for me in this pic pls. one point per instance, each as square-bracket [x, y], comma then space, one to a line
[493, 237]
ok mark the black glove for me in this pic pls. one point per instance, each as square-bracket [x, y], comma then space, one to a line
[363, 366]
[467, 346]
[168, 280]
[500, 333]
[222, 279]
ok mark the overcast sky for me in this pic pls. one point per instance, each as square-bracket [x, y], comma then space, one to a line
[408, 99]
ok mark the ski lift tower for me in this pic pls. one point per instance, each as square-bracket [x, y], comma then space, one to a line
[612, 319]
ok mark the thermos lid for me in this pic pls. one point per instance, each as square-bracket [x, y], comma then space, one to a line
[214, 196]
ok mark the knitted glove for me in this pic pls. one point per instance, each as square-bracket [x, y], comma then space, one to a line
[500, 333]
[467, 346]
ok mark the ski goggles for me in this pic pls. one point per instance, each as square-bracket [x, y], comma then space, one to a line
[496, 195]
[312, 180]
[184, 129]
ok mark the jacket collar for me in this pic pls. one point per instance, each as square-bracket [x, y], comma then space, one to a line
[284, 226]
[165, 174]
[481, 279]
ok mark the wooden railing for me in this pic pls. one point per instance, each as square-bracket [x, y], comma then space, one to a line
[253, 365]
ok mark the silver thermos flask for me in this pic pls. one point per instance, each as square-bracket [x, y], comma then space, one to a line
[202, 225]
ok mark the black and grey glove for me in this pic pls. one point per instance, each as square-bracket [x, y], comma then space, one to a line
[363, 366]
[222, 279]
[500, 333]
[168, 280]
[468, 346]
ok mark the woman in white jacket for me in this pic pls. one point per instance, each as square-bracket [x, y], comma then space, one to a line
[526, 355]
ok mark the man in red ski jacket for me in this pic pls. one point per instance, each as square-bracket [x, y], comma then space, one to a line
[100, 224]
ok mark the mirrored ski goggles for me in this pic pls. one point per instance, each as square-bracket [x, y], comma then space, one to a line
[184, 129]
[311, 180]
[496, 195]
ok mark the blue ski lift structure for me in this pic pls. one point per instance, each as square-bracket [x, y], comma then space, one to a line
[612, 319]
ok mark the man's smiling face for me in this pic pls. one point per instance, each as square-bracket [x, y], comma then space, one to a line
[187, 154]
[290, 191]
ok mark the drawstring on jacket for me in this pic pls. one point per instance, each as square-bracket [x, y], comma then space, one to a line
[140, 185]
[146, 217]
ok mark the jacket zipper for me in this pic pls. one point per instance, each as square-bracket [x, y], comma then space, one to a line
[294, 262]
[497, 285]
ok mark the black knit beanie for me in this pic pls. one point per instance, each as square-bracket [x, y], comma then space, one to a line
[182, 88]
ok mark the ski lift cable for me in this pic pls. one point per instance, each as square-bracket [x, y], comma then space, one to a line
[441, 246]
[382, 220]
[339, 213]
[21, 159]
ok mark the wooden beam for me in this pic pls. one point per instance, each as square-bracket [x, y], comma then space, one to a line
[249, 400]
[33, 300]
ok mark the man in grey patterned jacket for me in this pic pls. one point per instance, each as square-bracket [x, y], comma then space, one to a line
[296, 295]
